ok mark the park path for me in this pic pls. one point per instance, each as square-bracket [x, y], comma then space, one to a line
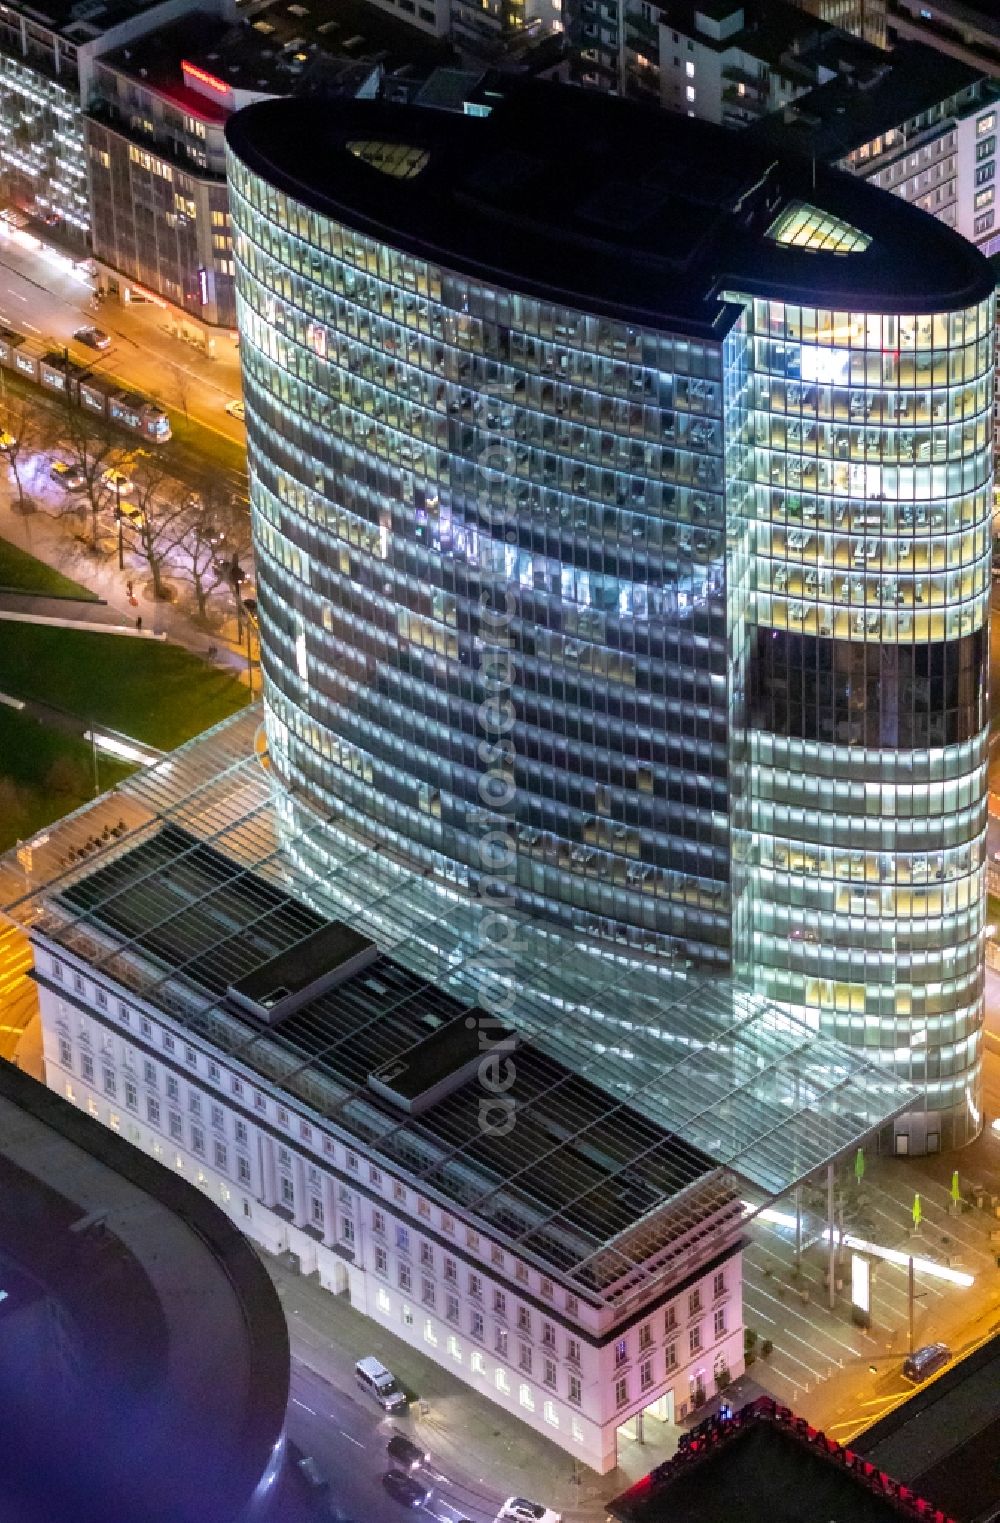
[59, 540]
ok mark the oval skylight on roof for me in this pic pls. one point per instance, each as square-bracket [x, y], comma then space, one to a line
[806, 227]
[400, 160]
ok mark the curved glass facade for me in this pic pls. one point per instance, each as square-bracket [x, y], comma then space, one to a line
[421, 447]
[870, 447]
[738, 587]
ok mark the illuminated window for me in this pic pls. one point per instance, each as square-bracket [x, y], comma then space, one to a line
[397, 159]
[689, 68]
[806, 227]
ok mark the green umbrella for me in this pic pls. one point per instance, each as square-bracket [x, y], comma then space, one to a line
[918, 1211]
[859, 1165]
[956, 1189]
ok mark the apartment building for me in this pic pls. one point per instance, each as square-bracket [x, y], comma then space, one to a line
[963, 29]
[920, 125]
[732, 61]
[726, 61]
[864, 18]
[48, 54]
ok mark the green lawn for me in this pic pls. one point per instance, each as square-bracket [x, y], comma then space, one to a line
[44, 774]
[155, 693]
[21, 572]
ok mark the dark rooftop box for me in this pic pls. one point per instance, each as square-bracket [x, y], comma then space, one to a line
[319, 962]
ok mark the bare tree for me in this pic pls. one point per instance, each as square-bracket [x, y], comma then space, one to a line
[204, 551]
[156, 517]
[20, 437]
[91, 447]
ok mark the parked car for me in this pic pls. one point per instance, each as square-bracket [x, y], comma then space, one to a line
[69, 477]
[116, 481]
[370, 1373]
[406, 1489]
[93, 337]
[312, 1473]
[409, 1454]
[925, 1362]
[235, 409]
[520, 1510]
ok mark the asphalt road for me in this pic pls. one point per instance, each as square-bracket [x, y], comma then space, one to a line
[46, 302]
[347, 1435]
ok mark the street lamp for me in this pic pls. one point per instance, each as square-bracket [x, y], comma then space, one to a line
[118, 519]
[237, 576]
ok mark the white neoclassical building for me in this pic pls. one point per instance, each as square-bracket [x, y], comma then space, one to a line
[551, 1208]
[575, 1355]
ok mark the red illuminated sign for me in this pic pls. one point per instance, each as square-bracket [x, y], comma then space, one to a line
[204, 78]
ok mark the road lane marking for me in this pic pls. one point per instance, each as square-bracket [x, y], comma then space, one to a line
[350, 1438]
[302, 1404]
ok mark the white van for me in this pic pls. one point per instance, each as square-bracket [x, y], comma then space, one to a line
[379, 1383]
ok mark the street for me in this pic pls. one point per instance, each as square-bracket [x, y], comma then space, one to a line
[45, 299]
[332, 1419]
[348, 1441]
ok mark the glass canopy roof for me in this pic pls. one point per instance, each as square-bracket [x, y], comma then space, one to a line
[731, 1073]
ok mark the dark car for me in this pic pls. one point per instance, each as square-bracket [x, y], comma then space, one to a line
[312, 1473]
[68, 476]
[406, 1489]
[93, 337]
[926, 1362]
[409, 1454]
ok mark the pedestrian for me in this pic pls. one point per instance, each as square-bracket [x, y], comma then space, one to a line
[129, 586]
[138, 622]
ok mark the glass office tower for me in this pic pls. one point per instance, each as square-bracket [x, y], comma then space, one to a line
[629, 508]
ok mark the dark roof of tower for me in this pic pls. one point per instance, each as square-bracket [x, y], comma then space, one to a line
[608, 206]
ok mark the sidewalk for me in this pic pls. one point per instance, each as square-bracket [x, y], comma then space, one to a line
[469, 1436]
[837, 1374]
[60, 541]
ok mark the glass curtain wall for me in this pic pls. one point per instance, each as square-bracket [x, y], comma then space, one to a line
[422, 446]
[868, 707]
